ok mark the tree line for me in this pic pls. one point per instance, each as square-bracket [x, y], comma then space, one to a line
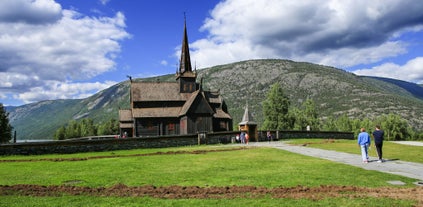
[280, 115]
[85, 128]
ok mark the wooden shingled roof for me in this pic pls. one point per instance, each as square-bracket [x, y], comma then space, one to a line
[157, 91]
[125, 115]
[157, 112]
[191, 100]
[213, 97]
[247, 119]
[221, 114]
[125, 118]
[168, 91]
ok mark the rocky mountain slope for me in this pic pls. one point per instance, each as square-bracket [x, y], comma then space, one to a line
[334, 91]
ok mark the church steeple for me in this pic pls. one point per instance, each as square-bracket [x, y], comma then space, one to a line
[185, 62]
[185, 75]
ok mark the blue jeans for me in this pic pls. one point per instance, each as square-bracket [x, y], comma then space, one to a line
[364, 152]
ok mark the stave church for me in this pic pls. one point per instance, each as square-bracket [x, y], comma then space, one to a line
[174, 108]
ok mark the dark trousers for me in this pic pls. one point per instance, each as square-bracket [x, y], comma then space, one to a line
[379, 149]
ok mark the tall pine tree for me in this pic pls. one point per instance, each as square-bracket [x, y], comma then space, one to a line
[275, 109]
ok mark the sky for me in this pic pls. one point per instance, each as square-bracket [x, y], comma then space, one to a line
[69, 49]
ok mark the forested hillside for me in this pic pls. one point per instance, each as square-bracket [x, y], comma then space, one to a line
[335, 92]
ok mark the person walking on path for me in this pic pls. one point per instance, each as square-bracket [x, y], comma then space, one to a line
[378, 138]
[364, 143]
[242, 137]
[269, 136]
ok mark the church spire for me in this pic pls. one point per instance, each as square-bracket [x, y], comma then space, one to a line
[185, 62]
[185, 75]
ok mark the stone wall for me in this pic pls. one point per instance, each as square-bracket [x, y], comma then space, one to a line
[280, 135]
[109, 144]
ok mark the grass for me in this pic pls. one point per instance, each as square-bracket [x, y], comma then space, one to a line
[391, 150]
[265, 167]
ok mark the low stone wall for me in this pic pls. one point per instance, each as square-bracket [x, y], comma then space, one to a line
[278, 135]
[109, 144]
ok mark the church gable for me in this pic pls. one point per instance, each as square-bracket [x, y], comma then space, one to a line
[197, 104]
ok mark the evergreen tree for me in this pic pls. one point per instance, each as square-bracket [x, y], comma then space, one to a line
[275, 109]
[329, 124]
[87, 128]
[297, 118]
[60, 133]
[73, 130]
[109, 128]
[395, 127]
[344, 124]
[5, 127]
[310, 115]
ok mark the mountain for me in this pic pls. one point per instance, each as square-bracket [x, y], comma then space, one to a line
[40, 120]
[334, 91]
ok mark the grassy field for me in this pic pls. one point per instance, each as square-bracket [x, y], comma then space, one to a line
[200, 166]
[391, 150]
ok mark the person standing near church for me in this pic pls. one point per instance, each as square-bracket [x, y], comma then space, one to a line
[364, 143]
[378, 138]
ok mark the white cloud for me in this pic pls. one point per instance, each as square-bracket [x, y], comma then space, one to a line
[56, 90]
[41, 44]
[29, 11]
[163, 62]
[347, 57]
[104, 2]
[411, 71]
[340, 33]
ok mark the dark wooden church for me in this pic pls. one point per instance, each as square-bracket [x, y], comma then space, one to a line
[172, 108]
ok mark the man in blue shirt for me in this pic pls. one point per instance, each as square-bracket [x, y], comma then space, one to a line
[364, 143]
[378, 136]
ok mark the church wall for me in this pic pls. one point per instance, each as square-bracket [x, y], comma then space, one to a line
[199, 123]
[156, 126]
[222, 125]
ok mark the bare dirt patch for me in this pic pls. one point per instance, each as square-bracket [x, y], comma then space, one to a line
[322, 142]
[131, 155]
[226, 192]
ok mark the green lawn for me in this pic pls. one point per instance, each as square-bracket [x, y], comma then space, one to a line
[264, 167]
[391, 150]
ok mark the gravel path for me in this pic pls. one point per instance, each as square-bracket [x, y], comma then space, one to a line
[398, 167]
[414, 143]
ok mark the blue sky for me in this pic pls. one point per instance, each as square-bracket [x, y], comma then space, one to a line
[60, 49]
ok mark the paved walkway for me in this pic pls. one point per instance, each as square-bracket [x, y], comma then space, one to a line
[398, 167]
[415, 143]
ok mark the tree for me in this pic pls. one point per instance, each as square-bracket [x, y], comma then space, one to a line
[344, 124]
[108, 128]
[88, 128]
[275, 109]
[60, 133]
[310, 114]
[73, 130]
[297, 118]
[5, 127]
[329, 124]
[395, 127]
